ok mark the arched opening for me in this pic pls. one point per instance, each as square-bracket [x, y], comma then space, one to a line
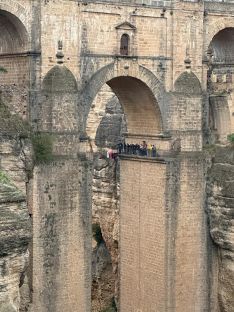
[59, 89]
[141, 110]
[14, 63]
[220, 84]
[186, 117]
[124, 44]
[123, 105]
[222, 46]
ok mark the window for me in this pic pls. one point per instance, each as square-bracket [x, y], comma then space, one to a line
[124, 45]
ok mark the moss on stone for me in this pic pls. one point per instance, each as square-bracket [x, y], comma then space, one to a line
[8, 190]
[4, 179]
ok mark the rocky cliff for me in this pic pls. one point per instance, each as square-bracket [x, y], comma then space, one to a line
[221, 220]
[15, 225]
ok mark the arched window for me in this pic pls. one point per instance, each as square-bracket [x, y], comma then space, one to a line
[124, 45]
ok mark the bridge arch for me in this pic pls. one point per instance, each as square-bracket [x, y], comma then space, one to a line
[59, 109]
[14, 36]
[221, 74]
[215, 27]
[222, 46]
[17, 10]
[140, 93]
[14, 62]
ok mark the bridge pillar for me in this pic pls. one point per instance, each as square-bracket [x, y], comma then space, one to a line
[162, 235]
[62, 233]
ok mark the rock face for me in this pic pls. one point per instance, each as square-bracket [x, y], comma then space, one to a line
[15, 235]
[103, 278]
[105, 208]
[105, 205]
[15, 225]
[221, 216]
[112, 124]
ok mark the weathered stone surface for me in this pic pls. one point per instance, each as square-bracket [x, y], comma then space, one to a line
[221, 216]
[15, 225]
[15, 236]
[112, 125]
[105, 211]
[103, 285]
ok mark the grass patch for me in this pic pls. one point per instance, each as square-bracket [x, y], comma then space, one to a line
[42, 147]
[230, 138]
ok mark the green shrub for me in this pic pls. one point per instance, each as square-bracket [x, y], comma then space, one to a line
[230, 138]
[3, 70]
[43, 147]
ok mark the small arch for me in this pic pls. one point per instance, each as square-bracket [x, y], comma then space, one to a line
[124, 44]
[188, 83]
[59, 79]
[59, 107]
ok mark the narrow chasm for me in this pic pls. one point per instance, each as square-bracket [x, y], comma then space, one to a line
[103, 277]
[220, 191]
[105, 210]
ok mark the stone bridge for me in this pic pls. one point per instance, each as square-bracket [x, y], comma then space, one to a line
[171, 66]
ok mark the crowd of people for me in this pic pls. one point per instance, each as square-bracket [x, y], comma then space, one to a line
[143, 149]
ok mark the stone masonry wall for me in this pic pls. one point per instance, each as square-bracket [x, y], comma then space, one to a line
[61, 237]
[191, 288]
[142, 236]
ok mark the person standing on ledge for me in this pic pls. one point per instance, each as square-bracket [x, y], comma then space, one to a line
[154, 152]
[149, 150]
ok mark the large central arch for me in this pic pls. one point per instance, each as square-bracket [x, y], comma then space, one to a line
[140, 93]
